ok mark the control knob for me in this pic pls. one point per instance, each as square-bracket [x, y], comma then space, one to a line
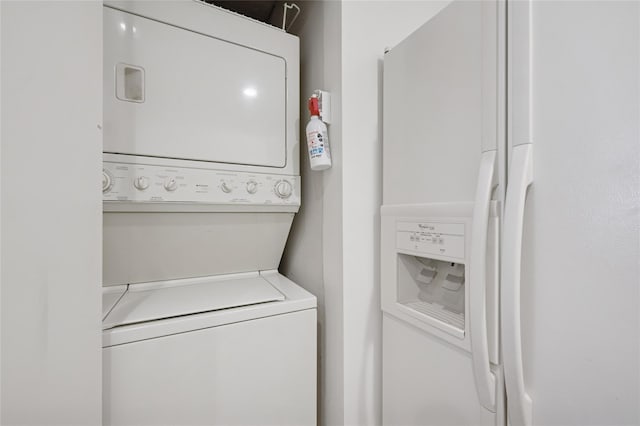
[107, 181]
[225, 187]
[252, 187]
[170, 184]
[141, 183]
[283, 189]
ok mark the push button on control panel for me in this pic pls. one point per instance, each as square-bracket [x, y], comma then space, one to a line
[442, 239]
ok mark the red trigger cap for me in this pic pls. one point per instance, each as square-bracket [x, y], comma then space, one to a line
[314, 109]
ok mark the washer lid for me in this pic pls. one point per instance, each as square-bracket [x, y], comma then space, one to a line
[110, 296]
[168, 299]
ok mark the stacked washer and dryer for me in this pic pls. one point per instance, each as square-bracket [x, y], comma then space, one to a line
[200, 186]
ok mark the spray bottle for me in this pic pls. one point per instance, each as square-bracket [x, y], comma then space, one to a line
[317, 138]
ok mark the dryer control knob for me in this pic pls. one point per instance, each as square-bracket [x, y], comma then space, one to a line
[225, 187]
[170, 184]
[252, 187]
[107, 181]
[141, 183]
[283, 189]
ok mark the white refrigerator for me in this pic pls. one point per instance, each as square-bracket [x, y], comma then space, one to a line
[510, 225]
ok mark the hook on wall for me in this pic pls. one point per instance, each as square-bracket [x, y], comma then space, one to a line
[287, 6]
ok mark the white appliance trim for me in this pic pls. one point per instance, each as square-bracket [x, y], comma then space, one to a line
[109, 157]
[520, 177]
[160, 207]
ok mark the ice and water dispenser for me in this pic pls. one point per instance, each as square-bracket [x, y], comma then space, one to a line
[425, 268]
[431, 280]
[432, 287]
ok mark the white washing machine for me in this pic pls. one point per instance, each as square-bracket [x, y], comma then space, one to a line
[225, 350]
[200, 187]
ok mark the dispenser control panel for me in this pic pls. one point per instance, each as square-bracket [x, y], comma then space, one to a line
[431, 238]
[146, 183]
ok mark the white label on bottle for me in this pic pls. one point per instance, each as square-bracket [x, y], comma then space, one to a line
[318, 143]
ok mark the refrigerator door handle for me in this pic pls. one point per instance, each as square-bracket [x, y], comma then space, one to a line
[519, 403]
[484, 378]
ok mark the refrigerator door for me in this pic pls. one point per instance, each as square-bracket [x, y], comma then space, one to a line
[441, 106]
[578, 291]
[443, 145]
[428, 382]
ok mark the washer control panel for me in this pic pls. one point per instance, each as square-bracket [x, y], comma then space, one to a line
[145, 183]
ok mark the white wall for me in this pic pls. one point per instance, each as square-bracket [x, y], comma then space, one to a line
[51, 212]
[342, 46]
[312, 256]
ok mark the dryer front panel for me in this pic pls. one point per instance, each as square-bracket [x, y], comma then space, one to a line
[174, 93]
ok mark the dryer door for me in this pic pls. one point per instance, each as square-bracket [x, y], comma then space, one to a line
[173, 93]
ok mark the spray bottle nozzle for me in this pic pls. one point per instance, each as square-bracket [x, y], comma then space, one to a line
[314, 108]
